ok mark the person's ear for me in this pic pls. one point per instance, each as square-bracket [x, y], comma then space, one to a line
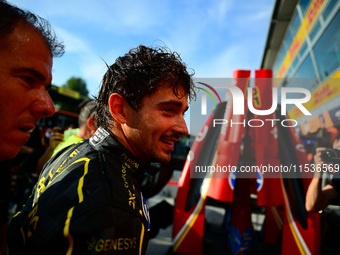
[91, 124]
[117, 104]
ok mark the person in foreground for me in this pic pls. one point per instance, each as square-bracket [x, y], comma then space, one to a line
[88, 198]
[318, 197]
[27, 47]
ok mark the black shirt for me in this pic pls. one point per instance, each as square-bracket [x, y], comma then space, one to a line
[87, 201]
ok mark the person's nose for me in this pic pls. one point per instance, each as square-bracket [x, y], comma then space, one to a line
[43, 105]
[181, 126]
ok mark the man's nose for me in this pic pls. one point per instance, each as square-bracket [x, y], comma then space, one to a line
[43, 105]
[181, 127]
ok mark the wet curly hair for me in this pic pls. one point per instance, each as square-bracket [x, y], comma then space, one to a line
[141, 72]
[11, 15]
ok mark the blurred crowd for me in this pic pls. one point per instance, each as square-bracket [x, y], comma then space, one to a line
[20, 174]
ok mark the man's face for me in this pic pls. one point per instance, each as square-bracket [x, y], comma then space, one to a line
[25, 71]
[153, 130]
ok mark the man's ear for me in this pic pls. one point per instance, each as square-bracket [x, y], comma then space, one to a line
[117, 105]
[91, 124]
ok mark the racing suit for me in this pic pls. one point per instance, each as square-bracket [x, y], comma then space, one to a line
[87, 201]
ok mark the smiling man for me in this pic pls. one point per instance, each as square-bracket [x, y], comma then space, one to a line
[88, 199]
[27, 47]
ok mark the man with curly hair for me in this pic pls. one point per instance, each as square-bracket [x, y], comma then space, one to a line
[88, 199]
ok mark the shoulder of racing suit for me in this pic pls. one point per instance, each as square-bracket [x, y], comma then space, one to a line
[87, 200]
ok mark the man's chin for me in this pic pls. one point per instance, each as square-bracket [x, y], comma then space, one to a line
[8, 153]
[164, 158]
[165, 161]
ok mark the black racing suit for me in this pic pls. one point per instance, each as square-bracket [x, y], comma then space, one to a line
[87, 201]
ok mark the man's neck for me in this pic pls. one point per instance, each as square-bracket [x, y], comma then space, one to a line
[119, 134]
[83, 133]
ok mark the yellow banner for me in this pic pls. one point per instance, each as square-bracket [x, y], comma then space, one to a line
[69, 92]
[306, 24]
[325, 92]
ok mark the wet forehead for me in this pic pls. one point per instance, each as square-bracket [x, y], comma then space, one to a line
[167, 94]
[26, 48]
[25, 34]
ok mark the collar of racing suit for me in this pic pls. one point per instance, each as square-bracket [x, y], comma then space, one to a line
[104, 140]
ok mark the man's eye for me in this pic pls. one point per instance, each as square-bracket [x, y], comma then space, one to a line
[170, 111]
[29, 80]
